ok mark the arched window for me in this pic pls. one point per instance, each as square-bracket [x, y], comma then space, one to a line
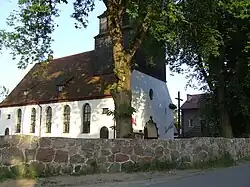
[33, 121]
[48, 119]
[104, 133]
[86, 118]
[66, 119]
[19, 120]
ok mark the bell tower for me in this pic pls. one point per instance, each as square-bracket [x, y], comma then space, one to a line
[153, 64]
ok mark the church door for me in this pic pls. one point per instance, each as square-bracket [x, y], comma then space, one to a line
[145, 133]
[104, 133]
[7, 132]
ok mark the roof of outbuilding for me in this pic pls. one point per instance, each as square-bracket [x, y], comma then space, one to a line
[193, 102]
[81, 76]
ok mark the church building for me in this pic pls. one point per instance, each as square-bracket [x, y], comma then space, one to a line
[68, 97]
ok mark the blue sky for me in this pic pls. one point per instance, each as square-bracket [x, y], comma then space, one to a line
[68, 41]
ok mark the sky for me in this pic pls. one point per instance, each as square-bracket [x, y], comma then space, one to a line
[68, 41]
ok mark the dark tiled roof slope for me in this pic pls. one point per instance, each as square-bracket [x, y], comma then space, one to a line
[79, 74]
[193, 103]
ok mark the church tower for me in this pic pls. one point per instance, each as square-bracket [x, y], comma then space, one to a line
[149, 58]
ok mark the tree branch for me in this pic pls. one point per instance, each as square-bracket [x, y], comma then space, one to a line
[139, 35]
[115, 11]
[204, 73]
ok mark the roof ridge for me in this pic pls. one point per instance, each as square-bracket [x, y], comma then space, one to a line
[72, 55]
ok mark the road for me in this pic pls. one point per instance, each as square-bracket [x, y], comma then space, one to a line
[238, 176]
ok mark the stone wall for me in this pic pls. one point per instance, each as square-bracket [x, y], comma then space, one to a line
[61, 155]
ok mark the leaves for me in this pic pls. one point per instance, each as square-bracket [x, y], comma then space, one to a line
[82, 9]
[213, 40]
[3, 92]
[33, 25]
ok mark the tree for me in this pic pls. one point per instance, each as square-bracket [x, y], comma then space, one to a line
[3, 92]
[34, 22]
[214, 41]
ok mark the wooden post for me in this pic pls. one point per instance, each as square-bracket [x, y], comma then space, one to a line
[179, 111]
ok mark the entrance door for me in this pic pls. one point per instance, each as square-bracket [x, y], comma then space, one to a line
[104, 133]
[145, 133]
[7, 132]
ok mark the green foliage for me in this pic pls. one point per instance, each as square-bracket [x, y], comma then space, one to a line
[2, 39]
[3, 92]
[124, 111]
[5, 173]
[32, 25]
[213, 41]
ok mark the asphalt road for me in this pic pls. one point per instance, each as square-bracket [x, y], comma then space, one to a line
[238, 176]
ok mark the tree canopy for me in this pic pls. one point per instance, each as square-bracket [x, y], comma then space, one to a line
[214, 41]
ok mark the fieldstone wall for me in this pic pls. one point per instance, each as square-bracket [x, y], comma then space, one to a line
[51, 156]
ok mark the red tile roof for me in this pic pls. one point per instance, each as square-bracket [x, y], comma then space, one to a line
[82, 76]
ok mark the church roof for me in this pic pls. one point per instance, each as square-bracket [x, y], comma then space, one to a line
[75, 77]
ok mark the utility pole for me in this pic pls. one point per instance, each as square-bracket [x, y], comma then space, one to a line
[179, 111]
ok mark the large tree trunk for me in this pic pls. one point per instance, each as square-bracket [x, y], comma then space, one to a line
[122, 94]
[122, 100]
[225, 125]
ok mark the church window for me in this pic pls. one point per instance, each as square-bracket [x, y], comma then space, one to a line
[33, 120]
[86, 118]
[19, 120]
[8, 116]
[105, 111]
[60, 88]
[66, 119]
[48, 119]
[190, 123]
[151, 94]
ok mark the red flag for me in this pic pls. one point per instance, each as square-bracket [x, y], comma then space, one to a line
[133, 121]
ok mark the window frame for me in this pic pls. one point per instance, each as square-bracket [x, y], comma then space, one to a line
[66, 119]
[86, 118]
[190, 123]
[33, 121]
[19, 120]
[48, 123]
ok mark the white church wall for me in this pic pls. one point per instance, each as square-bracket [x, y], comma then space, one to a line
[157, 107]
[98, 120]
